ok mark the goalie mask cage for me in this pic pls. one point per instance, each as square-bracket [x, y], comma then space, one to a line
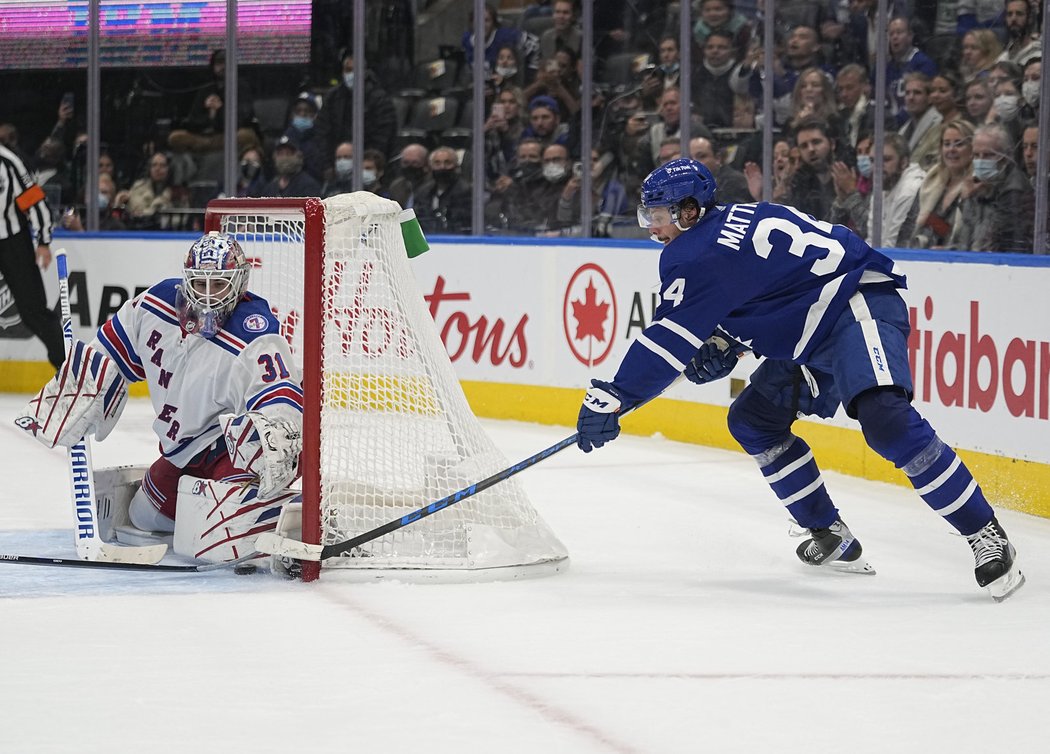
[386, 426]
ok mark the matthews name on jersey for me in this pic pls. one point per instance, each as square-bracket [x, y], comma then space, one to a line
[246, 366]
[768, 275]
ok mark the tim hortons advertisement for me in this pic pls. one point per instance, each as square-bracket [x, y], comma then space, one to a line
[559, 315]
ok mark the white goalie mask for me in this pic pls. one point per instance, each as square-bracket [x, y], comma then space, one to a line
[215, 277]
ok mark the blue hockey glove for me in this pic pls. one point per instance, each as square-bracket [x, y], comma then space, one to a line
[715, 360]
[599, 420]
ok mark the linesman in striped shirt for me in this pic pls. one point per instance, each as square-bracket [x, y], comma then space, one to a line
[22, 202]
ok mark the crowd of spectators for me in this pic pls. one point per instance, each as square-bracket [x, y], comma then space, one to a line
[959, 148]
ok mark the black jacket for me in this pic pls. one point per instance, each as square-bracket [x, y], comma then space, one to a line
[334, 123]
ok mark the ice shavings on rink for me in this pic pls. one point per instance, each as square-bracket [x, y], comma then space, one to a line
[684, 624]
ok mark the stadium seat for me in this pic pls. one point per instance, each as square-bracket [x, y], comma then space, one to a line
[436, 75]
[434, 114]
[406, 136]
[271, 113]
[457, 138]
[537, 24]
[626, 68]
[466, 114]
[403, 104]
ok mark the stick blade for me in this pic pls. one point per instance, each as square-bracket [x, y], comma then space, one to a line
[148, 554]
[274, 544]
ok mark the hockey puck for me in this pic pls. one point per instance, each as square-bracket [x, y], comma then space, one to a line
[245, 569]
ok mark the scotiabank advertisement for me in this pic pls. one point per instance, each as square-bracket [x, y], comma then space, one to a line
[559, 314]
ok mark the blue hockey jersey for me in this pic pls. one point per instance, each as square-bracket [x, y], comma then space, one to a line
[768, 275]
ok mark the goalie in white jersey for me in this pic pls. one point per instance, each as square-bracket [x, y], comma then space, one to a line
[226, 392]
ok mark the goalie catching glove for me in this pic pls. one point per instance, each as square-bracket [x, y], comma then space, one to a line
[268, 447]
[86, 397]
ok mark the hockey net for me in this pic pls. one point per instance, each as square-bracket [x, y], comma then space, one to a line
[387, 428]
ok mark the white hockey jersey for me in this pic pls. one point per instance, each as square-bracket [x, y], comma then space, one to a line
[247, 366]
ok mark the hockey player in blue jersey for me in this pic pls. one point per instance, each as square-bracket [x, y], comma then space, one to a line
[824, 310]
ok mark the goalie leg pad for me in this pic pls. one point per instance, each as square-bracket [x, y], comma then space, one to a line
[220, 521]
[290, 525]
[115, 486]
[86, 397]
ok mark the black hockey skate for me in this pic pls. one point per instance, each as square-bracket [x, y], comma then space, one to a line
[994, 565]
[834, 547]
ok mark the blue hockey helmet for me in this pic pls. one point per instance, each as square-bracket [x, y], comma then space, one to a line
[215, 278]
[669, 185]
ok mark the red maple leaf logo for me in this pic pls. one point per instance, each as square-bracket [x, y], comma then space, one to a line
[589, 314]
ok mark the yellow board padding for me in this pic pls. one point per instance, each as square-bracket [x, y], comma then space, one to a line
[30, 376]
[1007, 482]
[375, 391]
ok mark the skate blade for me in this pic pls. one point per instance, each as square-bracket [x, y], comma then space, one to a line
[858, 567]
[129, 535]
[1006, 585]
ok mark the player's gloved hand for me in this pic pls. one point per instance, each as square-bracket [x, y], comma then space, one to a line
[599, 420]
[715, 360]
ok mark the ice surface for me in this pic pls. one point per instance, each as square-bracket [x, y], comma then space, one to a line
[685, 624]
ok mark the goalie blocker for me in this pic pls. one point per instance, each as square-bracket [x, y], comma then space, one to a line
[85, 397]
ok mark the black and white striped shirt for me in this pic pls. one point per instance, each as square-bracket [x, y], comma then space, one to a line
[21, 198]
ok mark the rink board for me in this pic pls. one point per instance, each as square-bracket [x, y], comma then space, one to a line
[528, 322]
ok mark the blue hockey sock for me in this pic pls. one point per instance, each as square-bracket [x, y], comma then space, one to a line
[943, 481]
[793, 475]
[897, 432]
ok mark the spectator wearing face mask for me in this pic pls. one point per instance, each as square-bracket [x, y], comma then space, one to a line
[301, 119]
[339, 180]
[1031, 83]
[556, 189]
[110, 215]
[997, 206]
[1008, 109]
[289, 177]
[514, 205]
[334, 121]
[443, 204]
[250, 178]
[373, 168]
[414, 171]
[900, 185]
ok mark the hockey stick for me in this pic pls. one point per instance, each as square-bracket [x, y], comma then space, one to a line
[89, 544]
[123, 566]
[273, 544]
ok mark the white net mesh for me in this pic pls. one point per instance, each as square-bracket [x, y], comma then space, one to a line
[396, 430]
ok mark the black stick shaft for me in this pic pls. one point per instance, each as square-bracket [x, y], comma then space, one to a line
[72, 563]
